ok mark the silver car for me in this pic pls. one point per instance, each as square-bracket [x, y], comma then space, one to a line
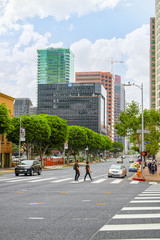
[117, 170]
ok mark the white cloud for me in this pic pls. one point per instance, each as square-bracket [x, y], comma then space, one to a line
[133, 50]
[18, 63]
[14, 10]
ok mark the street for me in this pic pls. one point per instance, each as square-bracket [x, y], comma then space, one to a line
[54, 206]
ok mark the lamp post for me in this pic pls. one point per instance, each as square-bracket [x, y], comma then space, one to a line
[141, 88]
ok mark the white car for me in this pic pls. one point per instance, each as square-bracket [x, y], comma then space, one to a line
[119, 160]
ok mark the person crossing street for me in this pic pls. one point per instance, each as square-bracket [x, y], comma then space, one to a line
[77, 171]
[88, 171]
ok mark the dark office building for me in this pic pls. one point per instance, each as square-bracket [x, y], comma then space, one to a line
[82, 104]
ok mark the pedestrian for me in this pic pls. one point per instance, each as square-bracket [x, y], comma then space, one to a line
[77, 171]
[88, 171]
[152, 168]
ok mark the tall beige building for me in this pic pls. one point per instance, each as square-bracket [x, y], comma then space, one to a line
[152, 65]
[157, 55]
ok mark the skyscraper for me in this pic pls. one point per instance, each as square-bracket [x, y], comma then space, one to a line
[152, 65]
[119, 104]
[157, 54]
[107, 80]
[55, 65]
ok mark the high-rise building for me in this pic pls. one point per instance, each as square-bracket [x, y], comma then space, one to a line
[119, 104]
[82, 104]
[22, 106]
[107, 80]
[152, 65]
[157, 54]
[55, 65]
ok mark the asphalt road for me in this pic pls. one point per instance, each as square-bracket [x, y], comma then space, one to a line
[54, 206]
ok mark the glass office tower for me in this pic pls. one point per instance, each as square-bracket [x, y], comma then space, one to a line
[55, 65]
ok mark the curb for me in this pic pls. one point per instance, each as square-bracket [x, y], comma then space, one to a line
[139, 179]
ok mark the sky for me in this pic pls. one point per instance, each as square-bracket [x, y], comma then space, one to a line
[97, 31]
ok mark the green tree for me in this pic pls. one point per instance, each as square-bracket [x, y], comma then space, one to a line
[77, 140]
[4, 118]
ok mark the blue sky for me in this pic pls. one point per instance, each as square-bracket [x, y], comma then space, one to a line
[95, 30]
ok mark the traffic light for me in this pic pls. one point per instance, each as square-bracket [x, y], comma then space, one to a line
[144, 153]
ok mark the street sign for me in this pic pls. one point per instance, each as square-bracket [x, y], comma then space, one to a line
[144, 131]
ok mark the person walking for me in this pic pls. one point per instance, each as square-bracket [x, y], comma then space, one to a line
[77, 171]
[87, 171]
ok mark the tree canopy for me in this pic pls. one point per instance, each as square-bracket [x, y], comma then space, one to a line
[4, 118]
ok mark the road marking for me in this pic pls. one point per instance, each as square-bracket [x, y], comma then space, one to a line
[63, 192]
[146, 201]
[99, 181]
[126, 227]
[36, 218]
[6, 179]
[100, 203]
[82, 180]
[117, 181]
[42, 179]
[86, 200]
[61, 180]
[134, 182]
[148, 194]
[127, 216]
[21, 180]
[135, 239]
[36, 203]
[153, 183]
[139, 208]
[107, 192]
[147, 198]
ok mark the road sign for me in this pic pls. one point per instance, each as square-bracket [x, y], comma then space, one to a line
[144, 131]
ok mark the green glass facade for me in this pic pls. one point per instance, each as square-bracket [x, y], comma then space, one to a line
[55, 65]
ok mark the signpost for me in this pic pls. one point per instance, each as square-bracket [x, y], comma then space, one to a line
[144, 131]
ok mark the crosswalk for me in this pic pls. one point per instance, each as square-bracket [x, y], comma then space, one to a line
[96, 180]
[139, 220]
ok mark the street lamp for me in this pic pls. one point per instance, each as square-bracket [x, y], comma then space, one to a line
[140, 87]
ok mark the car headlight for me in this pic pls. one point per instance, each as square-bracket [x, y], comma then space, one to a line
[109, 171]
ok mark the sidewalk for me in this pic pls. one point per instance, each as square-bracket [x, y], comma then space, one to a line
[148, 177]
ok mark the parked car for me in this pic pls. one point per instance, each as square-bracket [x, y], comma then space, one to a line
[28, 167]
[134, 167]
[117, 170]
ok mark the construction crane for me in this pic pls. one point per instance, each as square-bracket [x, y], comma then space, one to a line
[113, 61]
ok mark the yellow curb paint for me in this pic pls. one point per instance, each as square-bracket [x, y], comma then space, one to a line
[107, 193]
[100, 203]
[63, 192]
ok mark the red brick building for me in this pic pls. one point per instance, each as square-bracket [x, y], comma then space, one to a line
[105, 78]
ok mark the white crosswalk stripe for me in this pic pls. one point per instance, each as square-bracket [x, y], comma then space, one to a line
[61, 180]
[20, 180]
[117, 181]
[99, 180]
[134, 182]
[43, 179]
[133, 212]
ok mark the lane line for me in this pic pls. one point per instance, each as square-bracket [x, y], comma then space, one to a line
[136, 216]
[148, 194]
[36, 218]
[129, 227]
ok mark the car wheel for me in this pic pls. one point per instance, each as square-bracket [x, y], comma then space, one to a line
[25, 174]
[31, 172]
[17, 174]
[39, 172]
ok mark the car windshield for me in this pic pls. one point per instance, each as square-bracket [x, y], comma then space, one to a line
[26, 162]
[116, 167]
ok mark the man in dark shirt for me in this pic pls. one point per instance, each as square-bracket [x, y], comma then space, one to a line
[87, 171]
[77, 171]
